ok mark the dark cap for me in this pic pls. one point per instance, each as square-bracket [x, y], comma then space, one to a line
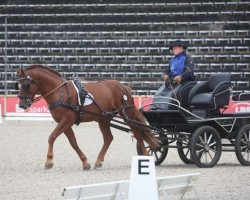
[177, 43]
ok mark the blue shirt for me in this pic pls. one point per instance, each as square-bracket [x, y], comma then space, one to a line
[177, 65]
[181, 64]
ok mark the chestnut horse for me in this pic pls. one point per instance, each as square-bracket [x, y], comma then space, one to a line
[109, 96]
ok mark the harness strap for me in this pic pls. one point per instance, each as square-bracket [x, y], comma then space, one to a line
[82, 94]
[40, 97]
[66, 105]
[78, 108]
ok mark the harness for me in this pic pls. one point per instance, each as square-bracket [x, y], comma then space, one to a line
[68, 104]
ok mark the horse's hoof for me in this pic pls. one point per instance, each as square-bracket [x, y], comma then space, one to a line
[48, 166]
[86, 167]
[98, 165]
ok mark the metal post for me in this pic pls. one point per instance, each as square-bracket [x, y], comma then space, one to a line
[5, 57]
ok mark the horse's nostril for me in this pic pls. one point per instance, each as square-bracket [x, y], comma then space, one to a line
[23, 107]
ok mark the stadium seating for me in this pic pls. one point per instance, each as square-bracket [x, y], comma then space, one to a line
[125, 40]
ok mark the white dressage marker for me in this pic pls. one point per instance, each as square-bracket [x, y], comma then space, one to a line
[143, 179]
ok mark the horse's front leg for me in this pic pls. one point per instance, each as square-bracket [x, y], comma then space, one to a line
[72, 139]
[60, 128]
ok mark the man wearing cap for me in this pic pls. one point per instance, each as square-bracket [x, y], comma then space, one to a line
[179, 72]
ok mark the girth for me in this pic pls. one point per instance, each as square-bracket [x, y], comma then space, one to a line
[78, 108]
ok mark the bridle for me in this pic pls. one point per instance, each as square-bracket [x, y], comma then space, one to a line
[26, 87]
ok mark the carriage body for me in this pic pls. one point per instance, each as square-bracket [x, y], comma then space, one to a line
[200, 133]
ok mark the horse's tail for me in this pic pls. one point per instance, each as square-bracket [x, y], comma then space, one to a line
[148, 136]
[136, 115]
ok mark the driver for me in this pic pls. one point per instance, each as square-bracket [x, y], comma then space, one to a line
[179, 72]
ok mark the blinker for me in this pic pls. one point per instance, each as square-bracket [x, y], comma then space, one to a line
[16, 86]
[26, 86]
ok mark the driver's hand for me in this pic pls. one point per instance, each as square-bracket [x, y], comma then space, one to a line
[178, 79]
[165, 77]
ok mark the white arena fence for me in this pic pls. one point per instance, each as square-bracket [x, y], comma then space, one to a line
[167, 187]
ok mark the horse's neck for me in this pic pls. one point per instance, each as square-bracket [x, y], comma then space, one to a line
[47, 81]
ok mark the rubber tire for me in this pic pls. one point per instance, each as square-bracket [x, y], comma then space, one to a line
[238, 145]
[195, 137]
[182, 155]
[163, 155]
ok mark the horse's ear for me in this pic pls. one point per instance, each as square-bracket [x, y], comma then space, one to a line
[20, 72]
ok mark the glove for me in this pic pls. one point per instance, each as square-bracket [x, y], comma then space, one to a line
[178, 79]
[165, 78]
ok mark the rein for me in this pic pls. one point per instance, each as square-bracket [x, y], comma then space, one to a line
[41, 97]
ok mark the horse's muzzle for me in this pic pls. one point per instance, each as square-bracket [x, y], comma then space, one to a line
[25, 102]
[23, 106]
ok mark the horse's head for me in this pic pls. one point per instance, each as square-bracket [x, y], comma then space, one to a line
[27, 89]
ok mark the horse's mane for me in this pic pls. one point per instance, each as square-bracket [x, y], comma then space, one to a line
[43, 67]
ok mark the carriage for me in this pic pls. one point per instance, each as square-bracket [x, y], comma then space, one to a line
[200, 123]
[197, 122]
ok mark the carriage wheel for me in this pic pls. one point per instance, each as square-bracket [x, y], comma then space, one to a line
[242, 145]
[205, 147]
[184, 150]
[159, 154]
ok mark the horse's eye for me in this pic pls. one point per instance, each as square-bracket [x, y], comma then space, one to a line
[16, 86]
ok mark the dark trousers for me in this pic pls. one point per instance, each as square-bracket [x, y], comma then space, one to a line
[160, 101]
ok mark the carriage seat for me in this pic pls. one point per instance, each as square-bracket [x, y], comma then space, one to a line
[214, 93]
[183, 93]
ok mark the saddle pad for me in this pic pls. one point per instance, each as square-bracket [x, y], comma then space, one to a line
[88, 97]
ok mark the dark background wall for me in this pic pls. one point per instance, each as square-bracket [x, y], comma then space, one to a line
[125, 40]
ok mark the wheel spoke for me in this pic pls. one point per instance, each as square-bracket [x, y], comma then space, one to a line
[245, 134]
[212, 144]
[201, 140]
[199, 145]
[213, 150]
[157, 158]
[187, 153]
[243, 141]
[199, 151]
[245, 152]
[201, 154]
[210, 155]
[243, 147]
[161, 151]
[205, 137]
[248, 156]
[210, 137]
[206, 157]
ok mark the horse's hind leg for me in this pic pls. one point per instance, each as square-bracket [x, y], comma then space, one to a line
[107, 138]
[72, 139]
